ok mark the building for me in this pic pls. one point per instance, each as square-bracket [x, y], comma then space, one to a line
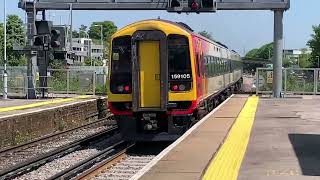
[84, 48]
[294, 55]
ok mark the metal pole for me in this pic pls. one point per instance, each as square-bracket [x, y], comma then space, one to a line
[71, 24]
[101, 35]
[5, 75]
[278, 51]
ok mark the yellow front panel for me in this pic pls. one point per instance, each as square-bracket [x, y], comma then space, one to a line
[149, 59]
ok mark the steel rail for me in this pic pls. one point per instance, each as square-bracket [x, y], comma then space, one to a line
[102, 157]
[33, 163]
[97, 168]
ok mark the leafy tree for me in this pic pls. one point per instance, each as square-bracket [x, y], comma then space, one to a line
[96, 62]
[75, 34]
[206, 34]
[83, 31]
[304, 59]
[314, 44]
[264, 52]
[286, 62]
[15, 36]
[252, 54]
[108, 29]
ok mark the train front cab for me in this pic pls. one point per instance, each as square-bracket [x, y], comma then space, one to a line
[151, 82]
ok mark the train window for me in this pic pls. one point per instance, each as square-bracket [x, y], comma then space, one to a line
[213, 66]
[121, 64]
[179, 58]
[215, 63]
[198, 64]
[202, 65]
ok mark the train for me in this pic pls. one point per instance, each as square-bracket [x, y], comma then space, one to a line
[163, 77]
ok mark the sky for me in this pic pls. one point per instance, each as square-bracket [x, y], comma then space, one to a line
[239, 30]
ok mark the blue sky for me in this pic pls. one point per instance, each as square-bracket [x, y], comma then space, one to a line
[240, 30]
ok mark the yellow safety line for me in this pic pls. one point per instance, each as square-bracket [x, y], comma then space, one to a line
[54, 101]
[226, 163]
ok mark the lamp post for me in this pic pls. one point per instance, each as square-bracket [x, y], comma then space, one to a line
[101, 37]
[5, 75]
[101, 33]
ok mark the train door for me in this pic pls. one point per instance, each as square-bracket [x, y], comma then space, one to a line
[149, 71]
[149, 62]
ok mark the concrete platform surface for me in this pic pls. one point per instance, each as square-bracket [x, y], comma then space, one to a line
[189, 158]
[20, 106]
[285, 141]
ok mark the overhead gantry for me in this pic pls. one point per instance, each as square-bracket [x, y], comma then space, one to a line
[278, 6]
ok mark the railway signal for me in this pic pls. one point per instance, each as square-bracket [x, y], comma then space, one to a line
[55, 38]
[196, 6]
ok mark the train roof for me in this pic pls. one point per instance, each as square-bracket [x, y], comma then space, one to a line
[182, 26]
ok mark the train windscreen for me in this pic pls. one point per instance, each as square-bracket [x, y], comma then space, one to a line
[121, 66]
[179, 58]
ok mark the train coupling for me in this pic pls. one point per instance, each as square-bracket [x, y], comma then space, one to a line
[150, 121]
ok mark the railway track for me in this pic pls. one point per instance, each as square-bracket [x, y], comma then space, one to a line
[52, 136]
[124, 164]
[95, 162]
[36, 162]
[17, 154]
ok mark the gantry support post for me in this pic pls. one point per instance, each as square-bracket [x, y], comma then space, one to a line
[32, 61]
[277, 51]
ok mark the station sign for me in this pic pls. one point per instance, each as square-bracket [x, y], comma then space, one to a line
[269, 77]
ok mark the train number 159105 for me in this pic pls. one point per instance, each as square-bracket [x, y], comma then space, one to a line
[180, 76]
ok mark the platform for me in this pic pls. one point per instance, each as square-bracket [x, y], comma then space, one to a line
[247, 138]
[285, 141]
[23, 120]
[189, 156]
[18, 106]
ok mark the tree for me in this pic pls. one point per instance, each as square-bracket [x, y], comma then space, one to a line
[206, 34]
[83, 31]
[252, 54]
[264, 52]
[304, 59]
[75, 34]
[108, 29]
[15, 36]
[94, 61]
[314, 44]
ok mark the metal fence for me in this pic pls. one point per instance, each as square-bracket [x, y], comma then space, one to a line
[60, 82]
[295, 80]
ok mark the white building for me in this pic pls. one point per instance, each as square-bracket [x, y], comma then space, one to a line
[84, 48]
[295, 53]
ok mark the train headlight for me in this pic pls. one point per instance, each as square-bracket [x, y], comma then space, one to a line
[182, 87]
[120, 88]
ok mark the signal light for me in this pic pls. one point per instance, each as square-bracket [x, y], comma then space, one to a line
[194, 5]
[38, 41]
[207, 3]
[55, 34]
[175, 3]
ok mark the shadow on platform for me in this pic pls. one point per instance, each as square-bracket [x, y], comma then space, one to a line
[307, 150]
